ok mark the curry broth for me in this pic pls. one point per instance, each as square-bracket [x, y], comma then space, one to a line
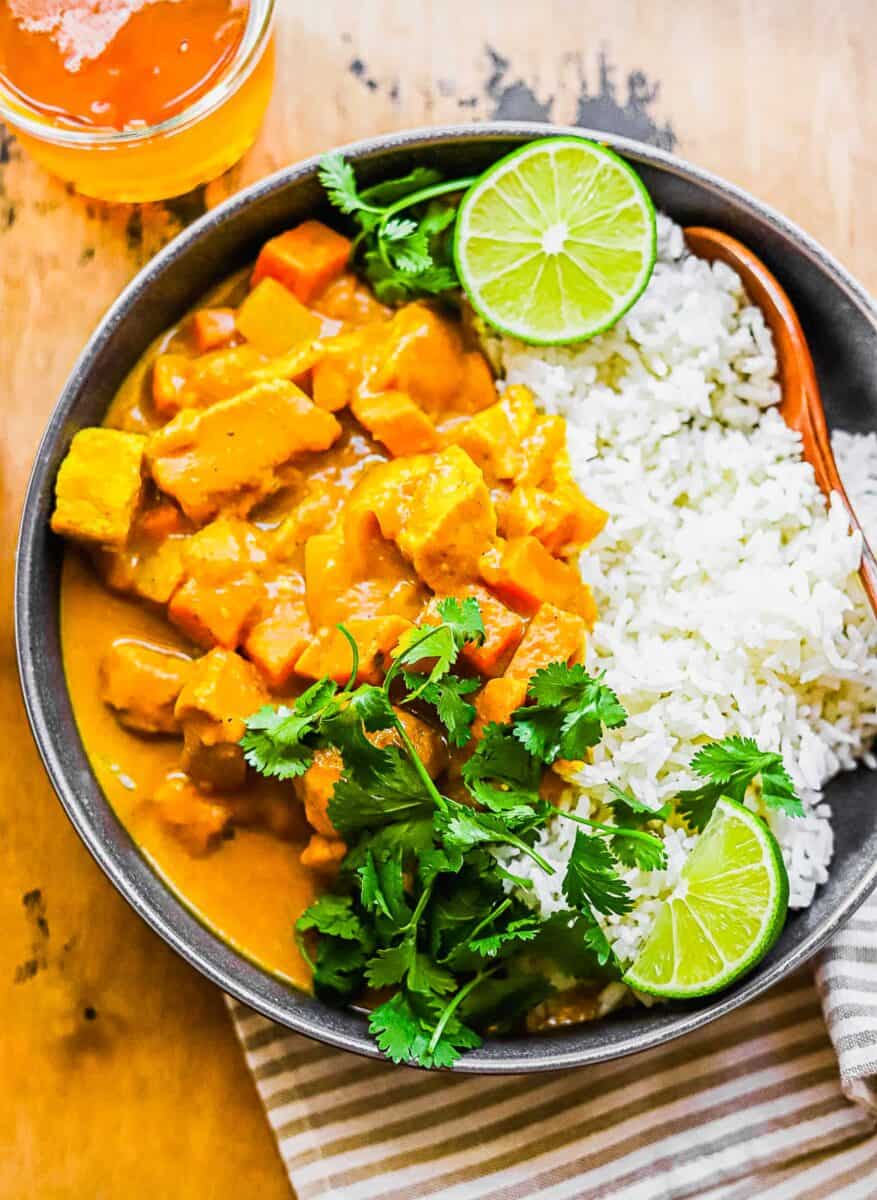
[251, 889]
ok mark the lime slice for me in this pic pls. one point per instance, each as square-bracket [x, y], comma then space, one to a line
[555, 241]
[727, 911]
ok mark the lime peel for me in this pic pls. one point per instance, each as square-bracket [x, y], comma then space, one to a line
[726, 912]
[556, 241]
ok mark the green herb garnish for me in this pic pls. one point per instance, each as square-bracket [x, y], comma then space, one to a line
[403, 256]
[421, 905]
[730, 767]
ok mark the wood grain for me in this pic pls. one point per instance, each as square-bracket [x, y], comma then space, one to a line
[121, 1076]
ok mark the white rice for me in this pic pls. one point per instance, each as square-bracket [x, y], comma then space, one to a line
[728, 594]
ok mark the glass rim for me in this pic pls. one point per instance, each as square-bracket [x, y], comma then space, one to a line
[25, 118]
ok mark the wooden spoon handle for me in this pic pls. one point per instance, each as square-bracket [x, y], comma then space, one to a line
[801, 405]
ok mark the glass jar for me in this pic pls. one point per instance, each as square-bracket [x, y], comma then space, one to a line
[159, 161]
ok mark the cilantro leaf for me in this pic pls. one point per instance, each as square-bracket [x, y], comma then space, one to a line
[463, 618]
[489, 943]
[338, 968]
[730, 767]
[332, 915]
[575, 944]
[338, 179]
[637, 852]
[371, 706]
[403, 1027]
[592, 880]
[569, 714]
[412, 836]
[428, 978]
[597, 942]
[502, 774]
[391, 964]
[628, 810]
[455, 713]
[425, 643]
[274, 743]
[401, 794]
[382, 890]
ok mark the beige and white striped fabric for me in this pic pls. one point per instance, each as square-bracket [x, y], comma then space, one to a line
[752, 1105]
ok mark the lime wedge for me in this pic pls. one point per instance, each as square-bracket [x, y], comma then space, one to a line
[555, 241]
[727, 911]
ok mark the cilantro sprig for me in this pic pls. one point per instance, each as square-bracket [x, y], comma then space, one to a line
[730, 767]
[403, 256]
[423, 908]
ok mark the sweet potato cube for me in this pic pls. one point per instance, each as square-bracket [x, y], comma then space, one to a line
[230, 451]
[195, 819]
[99, 486]
[422, 356]
[305, 259]
[553, 635]
[141, 684]
[222, 692]
[161, 521]
[328, 575]
[451, 522]
[563, 520]
[274, 321]
[225, 549]
[277, 641]
[382, 499]
[316, 786]
[394, 419]
[170, 384]
[497, 700]
[330, 388]
[322, 853]
[494, 438]
[212, 328]
[329, 652]
[478, 390]
[220, 374]
[503, 630]
[158, 570]
[524, 575]
[216, 614]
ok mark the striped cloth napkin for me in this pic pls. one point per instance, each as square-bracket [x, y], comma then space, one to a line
[750, 1105]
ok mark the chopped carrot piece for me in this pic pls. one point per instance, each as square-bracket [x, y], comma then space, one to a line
[160, 521]
[216, 614]
[276, 643]
[553, 635]
[503, 630]
[329, 652]
[305, 259]
[274, 321]
[524, 574]
[330, 389]
[394, 419]
[213, 327]
[170, 379]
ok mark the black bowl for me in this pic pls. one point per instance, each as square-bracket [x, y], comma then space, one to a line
[841, 324]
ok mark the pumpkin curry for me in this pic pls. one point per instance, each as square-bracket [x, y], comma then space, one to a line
[291, 457]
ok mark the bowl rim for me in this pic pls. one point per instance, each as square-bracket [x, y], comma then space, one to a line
[310, 1023]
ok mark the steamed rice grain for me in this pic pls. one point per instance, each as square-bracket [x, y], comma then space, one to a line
[728, 595]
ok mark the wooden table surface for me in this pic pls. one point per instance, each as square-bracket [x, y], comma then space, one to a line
[120, 1075]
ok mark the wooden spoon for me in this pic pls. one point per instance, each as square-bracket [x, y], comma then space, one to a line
[801, 405]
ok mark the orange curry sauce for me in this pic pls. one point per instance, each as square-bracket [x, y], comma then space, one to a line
[293, 455]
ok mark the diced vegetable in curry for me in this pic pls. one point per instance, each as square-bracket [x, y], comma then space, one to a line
[295, 456]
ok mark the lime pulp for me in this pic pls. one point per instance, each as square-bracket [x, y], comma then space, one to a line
[555, 242]
[726, 912]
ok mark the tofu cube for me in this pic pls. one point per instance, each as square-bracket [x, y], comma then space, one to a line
[99, 485]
